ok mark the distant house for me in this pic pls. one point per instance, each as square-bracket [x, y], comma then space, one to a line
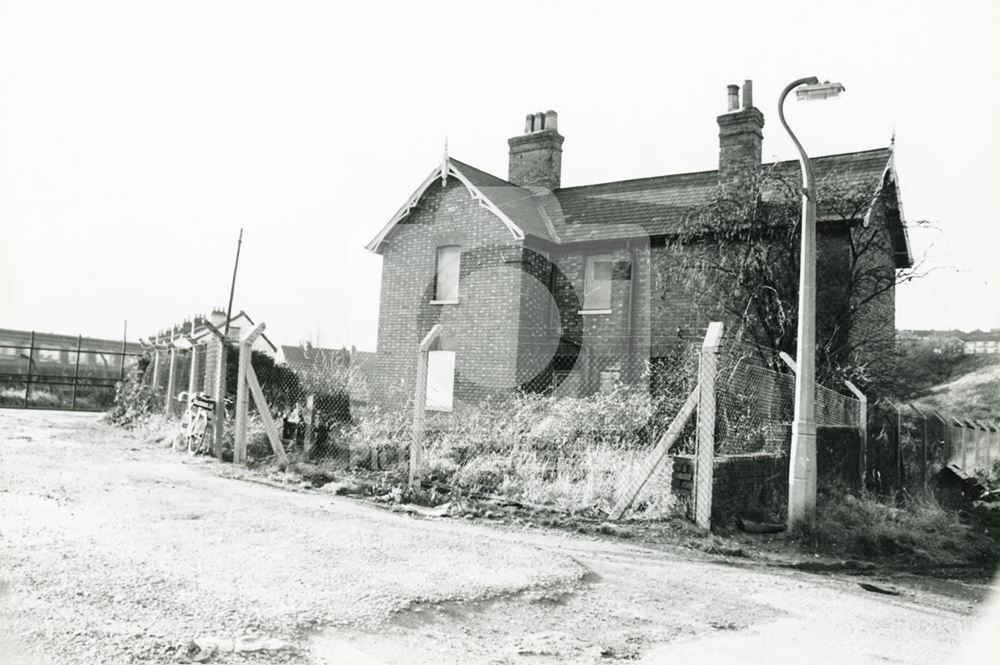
[982, 342]
[544, 287]
[195, 334]
[954, 342]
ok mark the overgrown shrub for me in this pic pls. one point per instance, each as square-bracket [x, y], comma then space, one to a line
[134, 401]
[280, 385]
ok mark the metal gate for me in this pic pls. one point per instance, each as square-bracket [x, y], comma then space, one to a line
[65, 372]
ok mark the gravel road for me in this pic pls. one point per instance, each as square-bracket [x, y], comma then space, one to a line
[114, 550]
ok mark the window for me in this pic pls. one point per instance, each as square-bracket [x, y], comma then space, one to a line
[448, 262]
[597, 283]
[440, 380]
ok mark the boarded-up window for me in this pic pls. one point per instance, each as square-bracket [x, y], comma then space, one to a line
[440, 380]
[597, 282]
[448, 262]
[609, 378]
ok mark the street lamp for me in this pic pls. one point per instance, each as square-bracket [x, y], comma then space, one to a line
[802, 466]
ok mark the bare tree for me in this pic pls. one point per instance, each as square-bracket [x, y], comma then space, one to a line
[737, 257]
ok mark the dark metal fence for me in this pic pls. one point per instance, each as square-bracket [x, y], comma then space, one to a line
[64, 372]
[909, 445]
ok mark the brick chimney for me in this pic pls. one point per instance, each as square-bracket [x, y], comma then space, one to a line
[740, 134]
[536, 155]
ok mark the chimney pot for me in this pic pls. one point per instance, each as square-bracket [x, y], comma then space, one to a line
[551, 120]
[539, 122]
[747, 94]
[528, 122]
[732, 97]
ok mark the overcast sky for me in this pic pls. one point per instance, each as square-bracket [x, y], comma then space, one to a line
[137, 138]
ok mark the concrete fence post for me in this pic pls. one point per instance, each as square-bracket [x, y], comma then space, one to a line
[704, 466]
[220, 398]
[420, 403]
[171, 377]
[242, 406]
[193, 374]
[156, 369]
[308, 416]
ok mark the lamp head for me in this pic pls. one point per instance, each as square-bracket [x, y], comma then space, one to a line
[815, 90]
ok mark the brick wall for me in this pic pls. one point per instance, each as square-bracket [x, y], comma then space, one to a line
[755, 485]
[482, 329]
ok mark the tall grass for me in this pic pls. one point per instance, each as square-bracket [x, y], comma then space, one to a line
[920, 532]
[570, 454]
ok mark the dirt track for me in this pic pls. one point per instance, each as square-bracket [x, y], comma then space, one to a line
[113, 551]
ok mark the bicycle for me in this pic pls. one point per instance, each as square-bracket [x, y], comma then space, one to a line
[196, 422]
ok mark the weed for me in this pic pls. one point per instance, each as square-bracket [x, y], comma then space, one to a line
[919, 532]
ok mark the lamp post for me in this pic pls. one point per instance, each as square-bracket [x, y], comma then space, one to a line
[802, 466]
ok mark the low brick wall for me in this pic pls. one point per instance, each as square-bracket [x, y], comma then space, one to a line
[756, 484]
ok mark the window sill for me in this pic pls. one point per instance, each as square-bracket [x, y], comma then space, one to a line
[594, 311]
[444, 302]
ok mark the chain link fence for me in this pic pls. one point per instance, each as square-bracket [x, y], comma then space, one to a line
[563, 430]
[566, 427]
[756, 405]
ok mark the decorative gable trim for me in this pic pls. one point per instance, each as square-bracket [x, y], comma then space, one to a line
[446, 169]
[889, 174]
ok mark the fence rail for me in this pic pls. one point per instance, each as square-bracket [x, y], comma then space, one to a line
[46, 371]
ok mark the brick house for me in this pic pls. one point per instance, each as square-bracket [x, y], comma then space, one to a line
[194, 336]
[544, 287]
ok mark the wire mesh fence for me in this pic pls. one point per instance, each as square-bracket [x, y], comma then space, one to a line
[567, 427]
[756, 406]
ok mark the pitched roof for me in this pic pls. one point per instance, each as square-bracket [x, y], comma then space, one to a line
[203, 331]
[651, 206]
[660, 204]
[302, 357]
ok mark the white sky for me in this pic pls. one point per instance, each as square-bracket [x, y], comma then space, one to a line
[136, 138]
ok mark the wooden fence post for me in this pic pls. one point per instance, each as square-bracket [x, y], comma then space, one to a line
[862, 431]
[420, 403]
[704, 466]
